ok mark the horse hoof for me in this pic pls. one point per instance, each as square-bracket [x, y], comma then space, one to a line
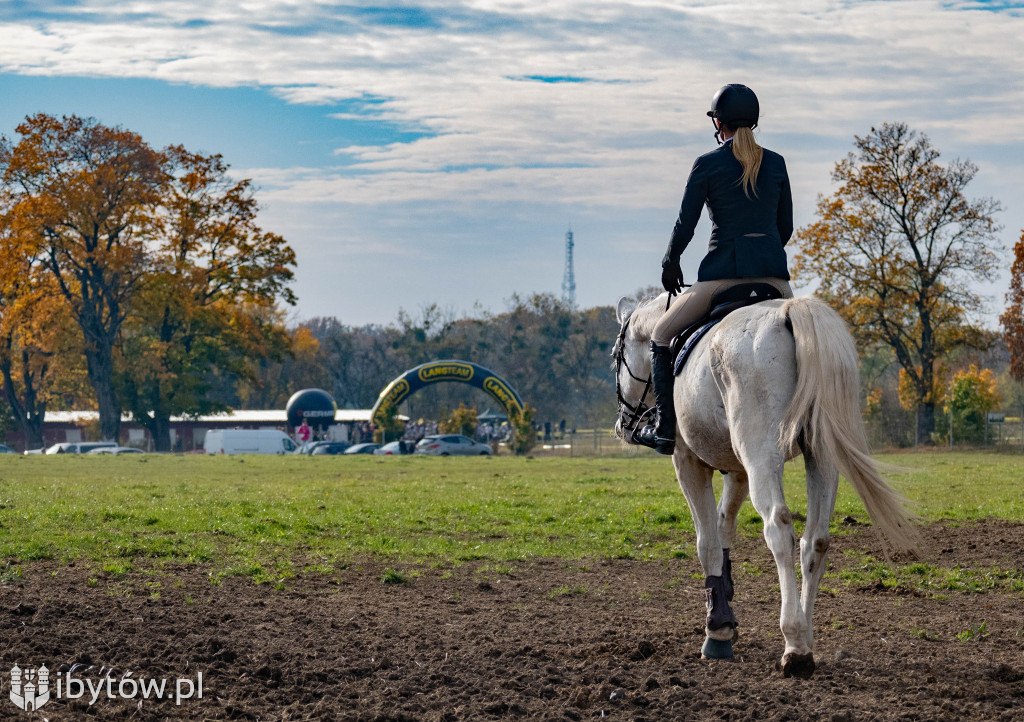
[798, 665]
[716, 649]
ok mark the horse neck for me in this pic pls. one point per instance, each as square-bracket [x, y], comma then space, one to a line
[645, 317]
[641, 327]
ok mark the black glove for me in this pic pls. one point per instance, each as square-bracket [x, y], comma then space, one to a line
[672, 276]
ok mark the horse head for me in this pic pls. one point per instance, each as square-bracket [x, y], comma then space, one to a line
[632, 367]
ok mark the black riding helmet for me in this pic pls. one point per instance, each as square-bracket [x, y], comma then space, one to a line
[736, 106]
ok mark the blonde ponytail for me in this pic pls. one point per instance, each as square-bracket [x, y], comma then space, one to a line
[748, 153]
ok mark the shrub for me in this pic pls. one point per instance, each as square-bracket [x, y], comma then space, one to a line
[461, 421]
[524, 437]
[390, 427]
[971, 395]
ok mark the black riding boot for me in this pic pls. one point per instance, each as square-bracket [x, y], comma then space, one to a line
[661, 436]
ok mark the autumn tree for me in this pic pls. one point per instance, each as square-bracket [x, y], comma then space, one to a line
[556, 357]
[461, 420]
[88, 194]
[198, 310]
[39, 352]
[896, 250]
[970, 395]
[524, 437]
[1012, 319]
[356, 360]
[287, 361]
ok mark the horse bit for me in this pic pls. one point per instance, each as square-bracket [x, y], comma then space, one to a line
[632, 417]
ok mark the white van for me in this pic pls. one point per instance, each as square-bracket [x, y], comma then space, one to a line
[248, 441]
[79, 447]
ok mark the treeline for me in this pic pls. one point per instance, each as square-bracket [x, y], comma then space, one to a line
[131, 278]
[136, 279]
[555, 356]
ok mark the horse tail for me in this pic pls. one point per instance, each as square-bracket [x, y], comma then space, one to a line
[826, 410]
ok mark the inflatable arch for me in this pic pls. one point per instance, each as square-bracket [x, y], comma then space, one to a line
[436, 371]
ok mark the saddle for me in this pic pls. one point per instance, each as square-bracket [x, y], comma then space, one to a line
[722, 304]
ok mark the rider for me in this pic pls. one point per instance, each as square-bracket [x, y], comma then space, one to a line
[746, 190]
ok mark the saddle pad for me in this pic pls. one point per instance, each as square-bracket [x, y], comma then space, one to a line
[687, 347]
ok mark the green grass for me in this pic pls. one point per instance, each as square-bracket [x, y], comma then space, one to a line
[974, 633]
[268, 518]
[567, 590]
[393, 576]
[928, 578]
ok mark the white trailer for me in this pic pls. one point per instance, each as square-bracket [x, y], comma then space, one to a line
[248, 441]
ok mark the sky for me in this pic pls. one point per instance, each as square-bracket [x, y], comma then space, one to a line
[429, 152]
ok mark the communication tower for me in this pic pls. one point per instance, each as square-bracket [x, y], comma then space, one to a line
[569, 279]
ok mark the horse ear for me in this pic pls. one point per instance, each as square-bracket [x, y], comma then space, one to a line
[624, 307]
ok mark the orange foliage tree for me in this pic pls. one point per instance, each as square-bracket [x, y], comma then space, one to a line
[1013, 318]
[896, 249]
[87, 194]
[971, 394]
[156, 256]
[40, 352]
[287, 362]
[215, 275]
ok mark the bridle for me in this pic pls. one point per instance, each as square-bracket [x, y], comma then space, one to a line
[631, 416]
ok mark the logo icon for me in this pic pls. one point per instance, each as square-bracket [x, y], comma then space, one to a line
[445, 371]
[30, 687]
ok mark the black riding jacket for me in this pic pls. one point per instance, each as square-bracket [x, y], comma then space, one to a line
[733, 252]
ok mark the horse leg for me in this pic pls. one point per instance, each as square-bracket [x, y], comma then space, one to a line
[734, 493]
[764, 469]
[822, 485]
[695, 481]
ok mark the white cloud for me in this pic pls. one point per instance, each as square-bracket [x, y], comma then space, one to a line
[458, 71]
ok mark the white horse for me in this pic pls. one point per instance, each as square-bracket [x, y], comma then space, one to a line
[770, 381]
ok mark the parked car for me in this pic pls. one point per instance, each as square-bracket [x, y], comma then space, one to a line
[395, 448]
[311, 446]
[79, 447]
[116, 450]
[362, 449]
[4, 449]
[451, 445]
[35, 451]
[248, 441]
[329, 448]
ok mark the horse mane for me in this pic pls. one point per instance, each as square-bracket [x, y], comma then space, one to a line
[646, 315]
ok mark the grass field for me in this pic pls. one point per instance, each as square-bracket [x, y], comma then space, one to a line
[269, 517]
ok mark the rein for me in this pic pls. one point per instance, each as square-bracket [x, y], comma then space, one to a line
[631, 415]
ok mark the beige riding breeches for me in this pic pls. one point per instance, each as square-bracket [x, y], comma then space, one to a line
[695, 302]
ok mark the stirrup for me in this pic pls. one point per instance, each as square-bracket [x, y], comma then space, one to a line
[648, 437]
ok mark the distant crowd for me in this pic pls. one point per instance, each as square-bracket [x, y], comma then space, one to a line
[485, 431]
[488, 432]
[416, 430]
